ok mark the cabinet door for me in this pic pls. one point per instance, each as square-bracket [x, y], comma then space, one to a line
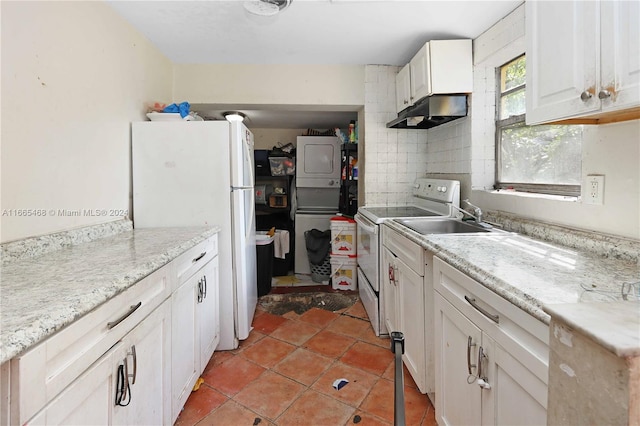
[620, 54]
[185, 350]
[458, 402]
[420, 71]
[208, 313]
[517, 395]
[412, 322]
[403, 88]
[389, 290]
[450, 66]
[86, 401]
[146, 351]
[561, 59]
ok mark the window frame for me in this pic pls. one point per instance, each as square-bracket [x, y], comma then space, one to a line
[516, 121]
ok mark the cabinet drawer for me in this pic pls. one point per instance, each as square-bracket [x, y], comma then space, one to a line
[195, 258]
[519, 333]
[48, 368]
[406, 250]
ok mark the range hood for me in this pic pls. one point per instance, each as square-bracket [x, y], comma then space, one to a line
[430, 112]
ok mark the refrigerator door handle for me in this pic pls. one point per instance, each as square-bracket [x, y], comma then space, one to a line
[250, 165]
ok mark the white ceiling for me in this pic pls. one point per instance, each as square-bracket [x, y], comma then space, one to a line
[307, 32]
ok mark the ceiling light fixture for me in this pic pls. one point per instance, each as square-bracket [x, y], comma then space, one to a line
[234, 116]
[266, 7]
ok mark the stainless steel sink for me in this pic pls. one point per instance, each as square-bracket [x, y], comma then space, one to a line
[426, 226]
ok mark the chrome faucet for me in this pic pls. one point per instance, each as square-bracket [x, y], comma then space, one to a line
[463, 211]
[476, 211]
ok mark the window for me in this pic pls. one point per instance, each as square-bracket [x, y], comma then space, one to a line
[545, 159]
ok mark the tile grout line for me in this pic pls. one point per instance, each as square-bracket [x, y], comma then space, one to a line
[305, 388]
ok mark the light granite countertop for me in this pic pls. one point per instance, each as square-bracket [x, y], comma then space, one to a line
[533, 274]
[42, 294]
[598, 320]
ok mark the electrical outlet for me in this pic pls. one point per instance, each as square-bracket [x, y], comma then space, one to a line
[593, 190]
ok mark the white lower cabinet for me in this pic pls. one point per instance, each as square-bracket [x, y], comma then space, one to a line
[132, 361]
[144, 358]
[412, 323]
[457, 401]
[97, 398]
[390, 290]
[209, 313]
[184, 320]
[408, 303]
[195, 317]
[86, 401]
[491, 357]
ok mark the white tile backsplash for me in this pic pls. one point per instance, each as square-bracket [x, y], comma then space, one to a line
[449, 148]
[394, 156]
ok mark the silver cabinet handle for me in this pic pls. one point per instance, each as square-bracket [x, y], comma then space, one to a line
[132, 309]
[405, 102]
[200, 291]
[586, 95]
[492, 317]
[482, 380]
[135, 364]
[203, 254]
[204, 293]
[604, 94]
[470, 344]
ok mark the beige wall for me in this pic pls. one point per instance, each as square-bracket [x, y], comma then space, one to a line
[74, 75]
[268, 138]
[322, 85]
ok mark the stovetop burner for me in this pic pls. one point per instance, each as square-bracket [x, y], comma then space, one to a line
[400, 212]
[431, 198]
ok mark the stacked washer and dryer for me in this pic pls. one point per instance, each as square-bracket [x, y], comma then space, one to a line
[317, 186]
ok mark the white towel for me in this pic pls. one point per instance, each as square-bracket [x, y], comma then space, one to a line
[281, 243]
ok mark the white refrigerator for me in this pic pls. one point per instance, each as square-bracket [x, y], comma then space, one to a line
[201, 173]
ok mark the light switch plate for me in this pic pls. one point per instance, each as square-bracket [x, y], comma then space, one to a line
[593, 190]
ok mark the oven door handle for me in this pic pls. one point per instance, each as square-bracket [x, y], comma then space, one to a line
[365, 224]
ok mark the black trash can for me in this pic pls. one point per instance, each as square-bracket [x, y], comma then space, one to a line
[264, 259]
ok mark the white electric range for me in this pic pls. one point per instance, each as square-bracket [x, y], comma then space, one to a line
[432, 198]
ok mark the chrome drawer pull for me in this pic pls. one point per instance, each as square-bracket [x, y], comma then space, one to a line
[133, 308]
[492, 317]
[203, 254]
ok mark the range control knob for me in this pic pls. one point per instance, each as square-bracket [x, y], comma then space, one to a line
[444, 189]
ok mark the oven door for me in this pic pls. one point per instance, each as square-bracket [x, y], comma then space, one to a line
[368, 249]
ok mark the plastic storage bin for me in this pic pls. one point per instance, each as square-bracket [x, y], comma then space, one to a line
[282, 166]
[264, 259]
[344, 275]
[343, 236]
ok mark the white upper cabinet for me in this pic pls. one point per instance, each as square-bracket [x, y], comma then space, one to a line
[439, 67]
[620, 54]
[583, 59]
[419, 71]
[403, 88]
